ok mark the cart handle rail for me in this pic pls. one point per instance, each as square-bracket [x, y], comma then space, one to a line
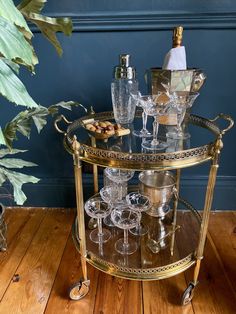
[225, 117]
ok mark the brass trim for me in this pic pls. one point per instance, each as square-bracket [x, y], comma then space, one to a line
[140, 161]
[156, 273]
[143, 274]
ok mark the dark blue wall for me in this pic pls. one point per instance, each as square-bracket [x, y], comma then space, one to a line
[102, 30]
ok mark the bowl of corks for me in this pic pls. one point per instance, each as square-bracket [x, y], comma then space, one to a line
[104, 129]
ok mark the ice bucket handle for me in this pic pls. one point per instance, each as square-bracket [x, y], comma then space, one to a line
[224, 117]
[198, 80]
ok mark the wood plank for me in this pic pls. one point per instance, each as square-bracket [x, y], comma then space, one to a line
[70, 272]
[213, 293]
[21, 227]
[116, 295]
[39, 266]
[164, 296]
[222, 230]
[15, 220]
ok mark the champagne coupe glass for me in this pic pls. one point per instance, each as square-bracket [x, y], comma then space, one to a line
[140, 203]
[143, 132]
[120, 177]
[125, 218]
[109, 194]
[181, 102]
[155, 105]
[95, 207]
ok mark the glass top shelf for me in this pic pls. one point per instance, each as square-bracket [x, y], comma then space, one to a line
[128, 148]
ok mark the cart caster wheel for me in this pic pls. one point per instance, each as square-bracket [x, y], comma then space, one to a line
[188, 294]
[79, 290]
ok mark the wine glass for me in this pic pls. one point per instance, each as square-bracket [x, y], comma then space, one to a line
[141, 203]
[95, 207]
[181, 102]
[109, 194]
[143, 132]
[155, 105]
[125, 218]
[120, 177]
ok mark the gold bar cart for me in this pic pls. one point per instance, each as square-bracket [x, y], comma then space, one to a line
[143, 265]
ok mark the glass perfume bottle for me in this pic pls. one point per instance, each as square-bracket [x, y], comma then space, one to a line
[123, 88]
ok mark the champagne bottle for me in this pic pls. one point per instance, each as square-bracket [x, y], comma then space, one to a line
[176, 57]
[177, 36]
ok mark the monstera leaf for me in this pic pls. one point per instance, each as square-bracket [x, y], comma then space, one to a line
[49, 26]
[14, 46]
[12, 14]
[28, 6]
[13, 89]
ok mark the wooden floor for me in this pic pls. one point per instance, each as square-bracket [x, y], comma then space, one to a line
[42, 255]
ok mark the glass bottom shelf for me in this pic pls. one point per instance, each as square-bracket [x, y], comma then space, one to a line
[161, 252]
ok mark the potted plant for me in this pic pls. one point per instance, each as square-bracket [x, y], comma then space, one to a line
[16, 50]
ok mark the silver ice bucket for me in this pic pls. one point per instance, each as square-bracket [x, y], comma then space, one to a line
[160, 187]
[190, 80]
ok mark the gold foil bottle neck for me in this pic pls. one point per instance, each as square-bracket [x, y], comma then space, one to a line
[177, 36]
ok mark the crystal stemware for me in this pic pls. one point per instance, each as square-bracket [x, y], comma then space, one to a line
[181, 102]
[109, 194]
[120, 177]
[140, 203]
[143, 132]
[95, 207]
[125, 218]
[155, 105]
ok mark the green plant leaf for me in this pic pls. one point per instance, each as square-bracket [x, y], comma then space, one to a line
[13, 89]
[15, 163]
[3, 178]
[7, 151]
[2, 138]
[23, 123]
[17, 179]
[14, 46]
[40, 117]
[66, 105]
[14, 66]
[49, 26]
[12, 14]
[31, 6]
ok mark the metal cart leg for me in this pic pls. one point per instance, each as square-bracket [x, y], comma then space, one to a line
[80, 289]
[95, 169]
[178, 172]
[188, 293]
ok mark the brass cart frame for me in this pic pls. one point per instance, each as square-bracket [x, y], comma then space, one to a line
[139, 161]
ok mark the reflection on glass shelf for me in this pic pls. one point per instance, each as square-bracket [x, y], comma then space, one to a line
[133, 144]
[153, 249]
